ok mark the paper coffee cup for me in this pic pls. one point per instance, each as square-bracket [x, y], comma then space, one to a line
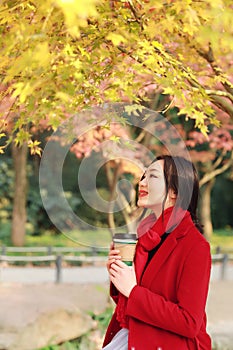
[125, 243]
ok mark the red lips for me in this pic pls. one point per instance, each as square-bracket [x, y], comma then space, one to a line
[142, 193]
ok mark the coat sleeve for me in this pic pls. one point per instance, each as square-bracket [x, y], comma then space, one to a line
[185, 316]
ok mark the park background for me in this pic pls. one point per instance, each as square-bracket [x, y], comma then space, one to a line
[61, 58]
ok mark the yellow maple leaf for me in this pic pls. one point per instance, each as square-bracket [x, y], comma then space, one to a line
[115, 38]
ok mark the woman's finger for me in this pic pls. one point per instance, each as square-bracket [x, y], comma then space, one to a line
[114, 267]
[118, 266]
[114, 252]
[112, 260]
[121, 264]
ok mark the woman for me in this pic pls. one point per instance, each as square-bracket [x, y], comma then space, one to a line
[161, 299]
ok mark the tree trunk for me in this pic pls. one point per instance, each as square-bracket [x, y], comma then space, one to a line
[19, 215]
[205, 208]
[112, 177]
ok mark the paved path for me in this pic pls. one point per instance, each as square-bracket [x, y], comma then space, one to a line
[38, 275]
[90, 274]
[220, 314]
[20, 287]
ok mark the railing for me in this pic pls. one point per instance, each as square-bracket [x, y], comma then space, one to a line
[223, 259]
[49, 250]
[58, 255]
[91, 255]
[223, 256]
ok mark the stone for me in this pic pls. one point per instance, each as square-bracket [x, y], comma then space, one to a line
[50, 328]
[35, 316]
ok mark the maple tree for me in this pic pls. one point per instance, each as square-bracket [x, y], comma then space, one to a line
[59, 57]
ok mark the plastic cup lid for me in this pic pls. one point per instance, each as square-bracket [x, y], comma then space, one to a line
[125, 237]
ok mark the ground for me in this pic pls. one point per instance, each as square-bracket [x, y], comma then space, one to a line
[21, 303]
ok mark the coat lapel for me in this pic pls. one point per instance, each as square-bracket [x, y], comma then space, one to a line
[162, 255]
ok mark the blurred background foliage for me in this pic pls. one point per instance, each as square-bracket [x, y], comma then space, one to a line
[40, 230]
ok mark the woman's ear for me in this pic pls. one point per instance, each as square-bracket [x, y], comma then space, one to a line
[171, 198]
[172, 194]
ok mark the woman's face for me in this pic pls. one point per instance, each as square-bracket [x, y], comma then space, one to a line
[152, 189]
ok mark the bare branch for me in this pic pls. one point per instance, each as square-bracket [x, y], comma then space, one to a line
[219, 160]
[207, 177]
[222, 104]
[140, 137]
[219, 93]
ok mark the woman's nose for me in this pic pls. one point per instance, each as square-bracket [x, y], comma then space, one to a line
[142, 180]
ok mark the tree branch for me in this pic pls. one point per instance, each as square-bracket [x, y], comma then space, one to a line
[207, 177]
[141, 136]
[112, 180]
[134, 11]
[219, 93]
[209, 57]
[193, 82]
[219, 160]
[217, 98]
[222, 104]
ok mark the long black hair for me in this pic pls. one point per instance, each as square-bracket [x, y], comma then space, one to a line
[181, 176]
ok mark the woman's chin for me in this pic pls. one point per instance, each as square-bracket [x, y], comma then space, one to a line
[140, 204]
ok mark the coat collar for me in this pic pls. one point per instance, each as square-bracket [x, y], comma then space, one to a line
[166, 249]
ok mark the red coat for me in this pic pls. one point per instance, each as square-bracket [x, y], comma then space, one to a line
[167, 308]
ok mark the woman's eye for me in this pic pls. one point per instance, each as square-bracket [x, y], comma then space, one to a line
[153, 176]
[143, 177]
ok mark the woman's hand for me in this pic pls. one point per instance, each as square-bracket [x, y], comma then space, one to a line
[122, 276]
[114, 254]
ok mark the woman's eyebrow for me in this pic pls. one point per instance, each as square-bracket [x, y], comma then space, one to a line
[150, 171]
[153, 170]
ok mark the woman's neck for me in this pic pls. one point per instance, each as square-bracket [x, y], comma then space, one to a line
[159, 210]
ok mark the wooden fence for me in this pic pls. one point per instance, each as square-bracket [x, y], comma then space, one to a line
[60, 255]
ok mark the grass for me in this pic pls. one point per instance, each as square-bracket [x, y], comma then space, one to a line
[99, 238]
[222, 238]
[95, 238]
